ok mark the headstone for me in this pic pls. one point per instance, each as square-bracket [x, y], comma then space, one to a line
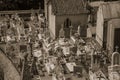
[115, 58]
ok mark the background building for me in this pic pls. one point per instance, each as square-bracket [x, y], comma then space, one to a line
[107, 28]
[67, 13]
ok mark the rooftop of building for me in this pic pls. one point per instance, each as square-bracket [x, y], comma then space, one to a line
[68, 7]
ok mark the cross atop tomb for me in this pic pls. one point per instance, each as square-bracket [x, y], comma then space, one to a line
[116, 49]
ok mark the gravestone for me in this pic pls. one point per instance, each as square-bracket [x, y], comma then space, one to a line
[114, 69]
[116, 58]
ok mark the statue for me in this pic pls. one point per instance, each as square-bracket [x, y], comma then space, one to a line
[71, 30]
[78, 31]
[61, 32]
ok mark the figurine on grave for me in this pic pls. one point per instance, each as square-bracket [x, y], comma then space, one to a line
[71, 30]
[61, 32]
[79, 30]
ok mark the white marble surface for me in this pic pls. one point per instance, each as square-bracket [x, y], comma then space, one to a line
[70, 66]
